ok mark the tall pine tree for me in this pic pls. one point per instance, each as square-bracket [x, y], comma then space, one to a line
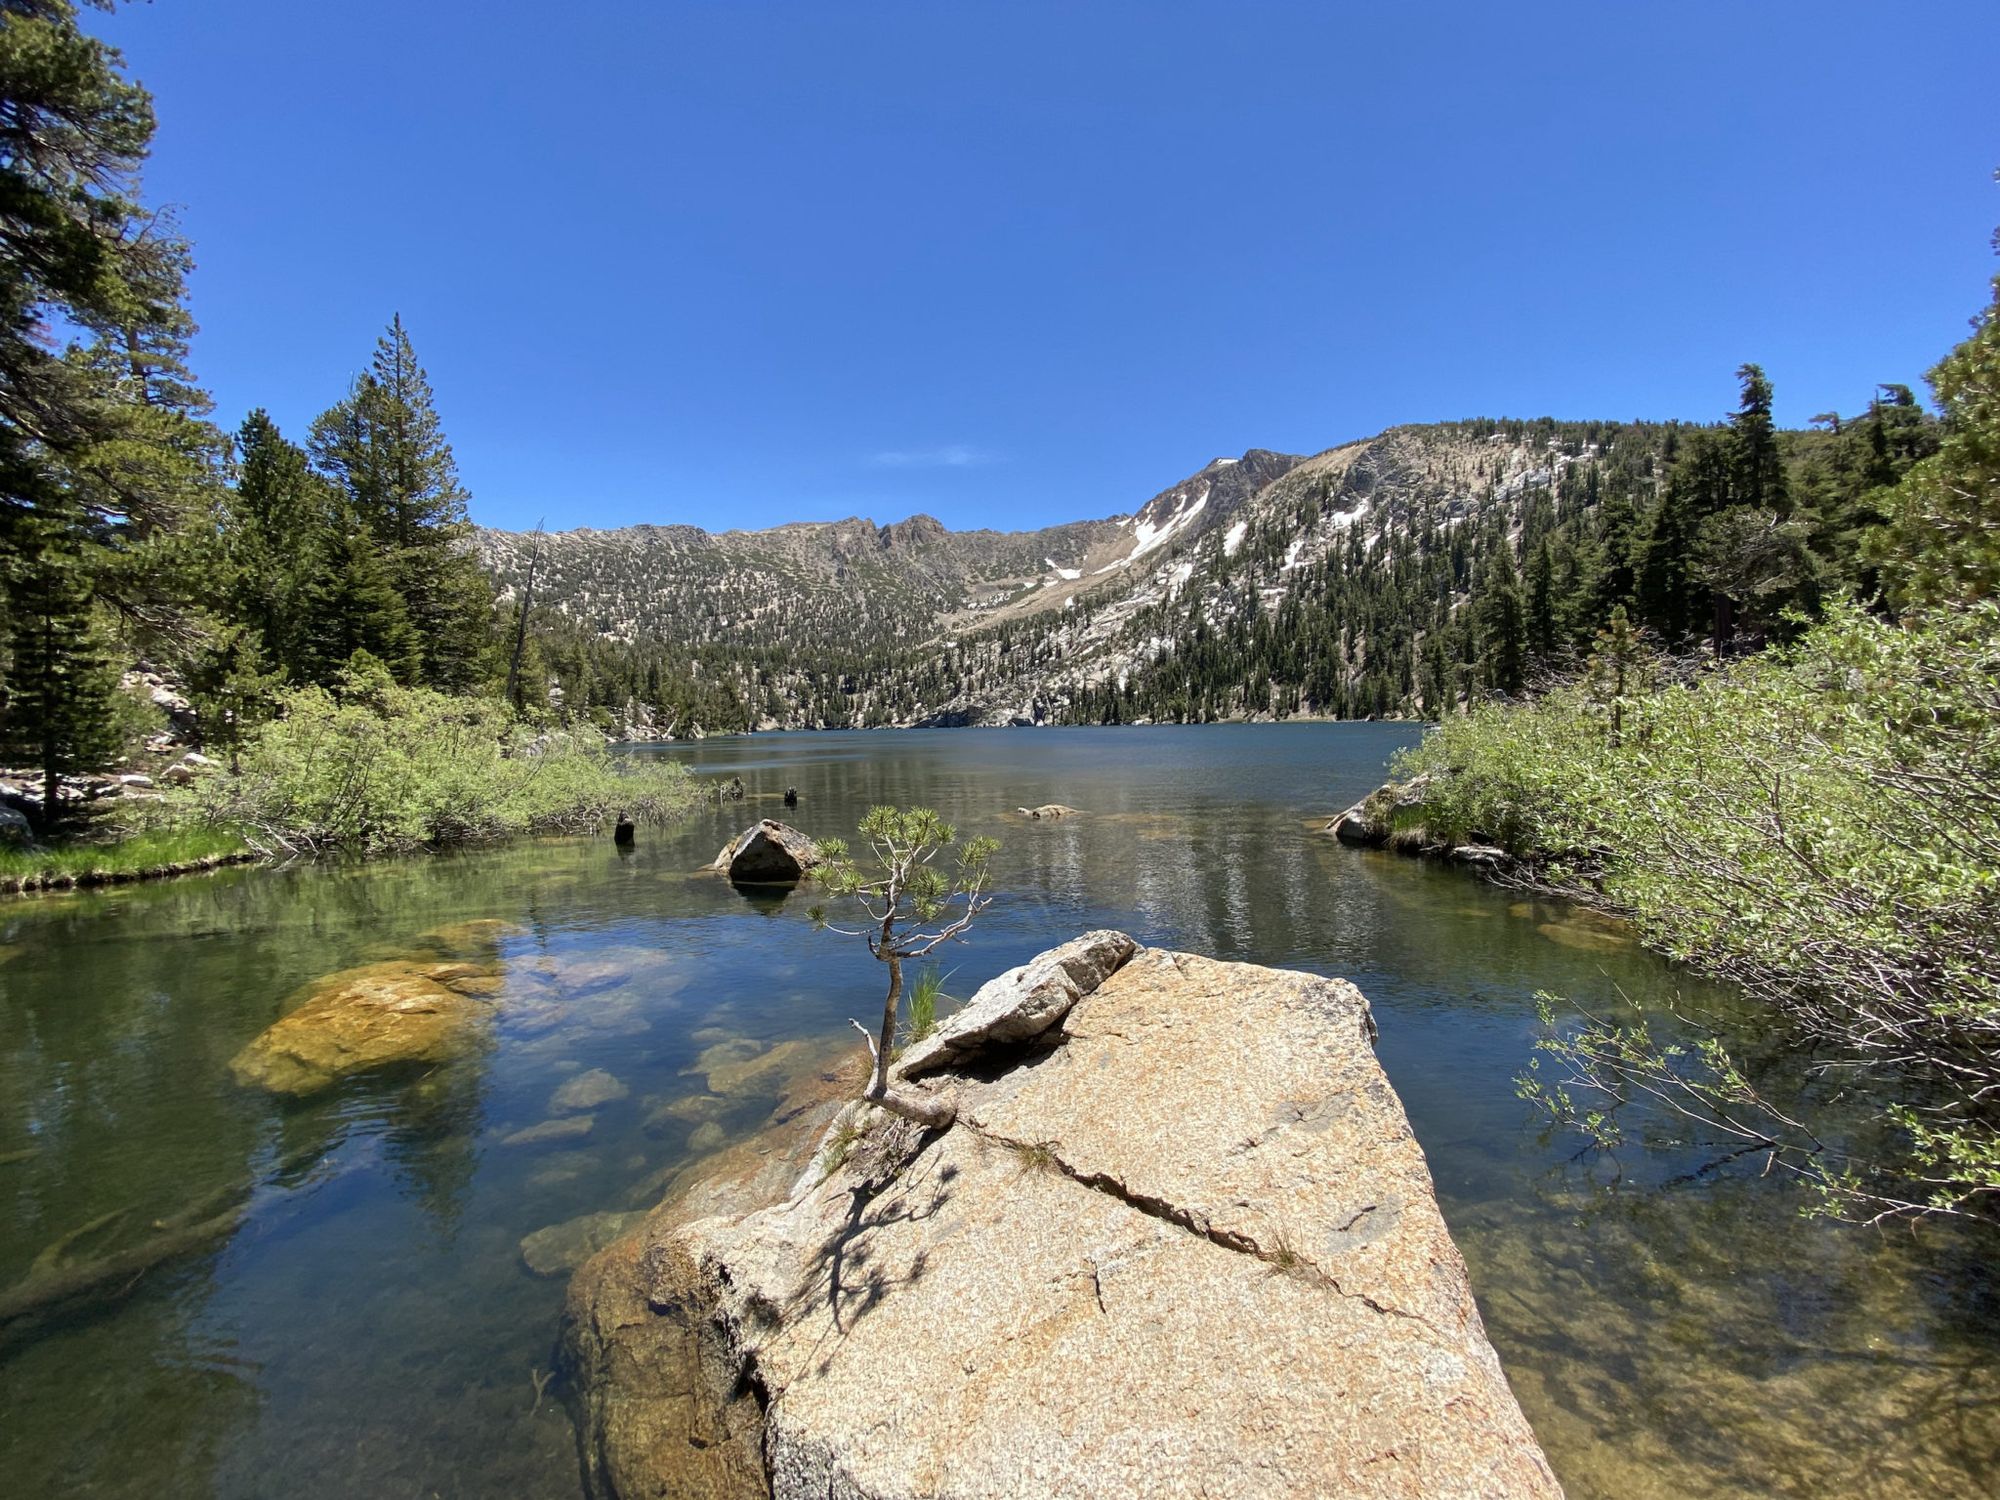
[103, 449]
[385, 447]
[56, 709]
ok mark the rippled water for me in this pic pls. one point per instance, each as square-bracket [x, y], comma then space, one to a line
[367, 1326]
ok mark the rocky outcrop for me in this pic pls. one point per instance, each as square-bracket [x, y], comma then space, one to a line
[659, 1410]
[1021, 1004]
[1390, 817]
[768, 853]
[375, 1016]
[1180, 1242]
[1372, 822]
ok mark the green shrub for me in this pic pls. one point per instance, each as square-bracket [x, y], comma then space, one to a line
[384, 768]
[1819, 824]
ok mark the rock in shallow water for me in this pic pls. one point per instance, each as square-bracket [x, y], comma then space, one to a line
[375, 1016]
[561, 1248]
[586, 1091]
[768, 853]
[575, 1128]
[1193, 1250]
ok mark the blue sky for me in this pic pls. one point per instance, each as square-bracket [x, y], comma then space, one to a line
[1016, 263]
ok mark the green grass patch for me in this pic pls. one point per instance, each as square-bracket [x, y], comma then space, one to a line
[154, 851]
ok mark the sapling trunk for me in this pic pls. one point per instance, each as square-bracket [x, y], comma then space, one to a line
[888, 1038]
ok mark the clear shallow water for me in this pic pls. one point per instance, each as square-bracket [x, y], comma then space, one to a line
[368, 1327]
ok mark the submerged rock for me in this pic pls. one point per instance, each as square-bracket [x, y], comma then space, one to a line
[586, 1091]
[374, 1016]
[741, 1066]
[686, 1109]
[561, 1248]
[574, 1128]
[768, 853]
[479, 936]
[707, 1137]
[1192, 1250]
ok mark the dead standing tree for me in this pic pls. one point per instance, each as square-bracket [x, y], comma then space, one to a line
[924, 890]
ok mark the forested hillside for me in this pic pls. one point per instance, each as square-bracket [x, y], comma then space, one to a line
[1409, 574]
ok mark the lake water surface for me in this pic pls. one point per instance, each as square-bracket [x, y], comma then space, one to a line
[367, 1328]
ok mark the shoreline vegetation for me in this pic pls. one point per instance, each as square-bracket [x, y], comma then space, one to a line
[1818, 823]
[369, 769]
[148, 855]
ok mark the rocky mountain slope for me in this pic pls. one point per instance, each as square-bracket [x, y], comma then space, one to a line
[849, 623]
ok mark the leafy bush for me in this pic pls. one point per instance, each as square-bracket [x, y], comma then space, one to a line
[1819, 824]
[382, 767]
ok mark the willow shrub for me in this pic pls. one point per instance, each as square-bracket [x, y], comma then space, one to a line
[402, 768]
[1820, 825]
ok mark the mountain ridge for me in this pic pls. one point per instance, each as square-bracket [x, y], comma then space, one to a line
[1397, 574]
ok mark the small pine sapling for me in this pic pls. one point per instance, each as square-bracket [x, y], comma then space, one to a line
[923, 889]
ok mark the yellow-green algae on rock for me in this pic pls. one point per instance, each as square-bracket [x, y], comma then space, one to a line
[375, 1016]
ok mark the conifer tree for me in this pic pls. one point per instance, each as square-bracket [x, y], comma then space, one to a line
[103, 446]
[1667, 597]
[276, 522]
[1619, 671]
[1757, 469]
[1503, 624]
[1941, 546]
[351, 605]
[385, 447]
[1544, 626]
[57, 709]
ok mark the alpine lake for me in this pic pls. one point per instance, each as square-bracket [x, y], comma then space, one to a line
[365, 1323]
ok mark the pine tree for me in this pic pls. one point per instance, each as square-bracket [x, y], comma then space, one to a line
[276, 524]
[1620, 670]
[1503, 625]
[232, 687]
[1941, 546]
[385, 447]
[1757, 469]
[1544, 624]
[1667, 597]
[103, 446]
[73, 133]
[57, 713]
[351, 605]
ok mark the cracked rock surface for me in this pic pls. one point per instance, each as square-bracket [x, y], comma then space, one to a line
[1191, 1250]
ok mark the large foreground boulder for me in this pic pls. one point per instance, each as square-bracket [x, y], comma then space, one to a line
[768, 853]
[375, 1016]
[1191, 1250]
